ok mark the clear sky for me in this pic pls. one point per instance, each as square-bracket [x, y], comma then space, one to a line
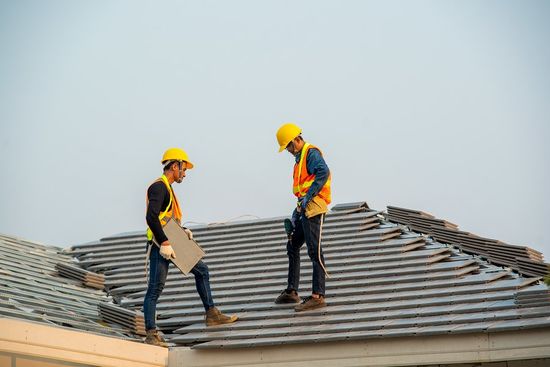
[442, 106]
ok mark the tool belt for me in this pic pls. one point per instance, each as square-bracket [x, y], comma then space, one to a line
[315, 207]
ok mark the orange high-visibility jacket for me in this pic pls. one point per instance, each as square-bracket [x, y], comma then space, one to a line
[303, 180]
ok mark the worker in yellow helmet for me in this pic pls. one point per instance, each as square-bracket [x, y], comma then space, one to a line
[311, 186]
[162, 204]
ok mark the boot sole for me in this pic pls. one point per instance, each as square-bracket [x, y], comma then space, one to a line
[230, 321]
[286, 302]
[162, 345]
[310, 308]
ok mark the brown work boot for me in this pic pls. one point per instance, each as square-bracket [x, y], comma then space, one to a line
[153, 337]
[215, 317]
[310, 303]
[288, 296]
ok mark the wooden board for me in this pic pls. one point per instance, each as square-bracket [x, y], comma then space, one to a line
[188, 252]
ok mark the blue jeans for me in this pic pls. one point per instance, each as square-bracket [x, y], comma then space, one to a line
[308, 231]
[158, 271]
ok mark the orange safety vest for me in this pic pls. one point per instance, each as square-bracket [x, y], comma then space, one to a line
[171, 211]
[303, 180]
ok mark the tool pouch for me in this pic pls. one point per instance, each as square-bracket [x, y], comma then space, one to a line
[315, 207]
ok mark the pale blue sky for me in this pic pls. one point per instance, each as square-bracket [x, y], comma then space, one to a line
[441, 106]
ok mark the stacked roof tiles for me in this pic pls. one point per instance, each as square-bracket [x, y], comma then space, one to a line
[87, 278]
[32, 288]
[521, 258]
[131, 319]
[386, 280]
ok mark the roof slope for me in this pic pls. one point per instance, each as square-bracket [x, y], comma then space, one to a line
[32, 288]
[386, 281]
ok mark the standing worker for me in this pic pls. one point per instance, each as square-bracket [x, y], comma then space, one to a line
[162, 204]
[312, 188]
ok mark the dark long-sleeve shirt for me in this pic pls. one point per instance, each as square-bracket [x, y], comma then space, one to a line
[159, 198]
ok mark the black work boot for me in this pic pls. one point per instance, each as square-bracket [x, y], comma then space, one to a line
[288, 296]
[153, 337]
[311, 303]
[215, 317]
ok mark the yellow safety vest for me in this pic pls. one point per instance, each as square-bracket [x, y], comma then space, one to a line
[171, 211]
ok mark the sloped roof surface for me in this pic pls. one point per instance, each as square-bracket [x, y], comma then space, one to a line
[32, 288]
[386, 280]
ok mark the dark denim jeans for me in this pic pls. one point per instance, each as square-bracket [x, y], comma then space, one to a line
[308, 231]
[158, 271]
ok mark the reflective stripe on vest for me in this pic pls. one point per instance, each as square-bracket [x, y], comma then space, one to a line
[303, 180]
[171, 211]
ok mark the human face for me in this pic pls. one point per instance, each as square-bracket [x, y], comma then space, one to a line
[179, 173]
[294, 147]
[291, 147]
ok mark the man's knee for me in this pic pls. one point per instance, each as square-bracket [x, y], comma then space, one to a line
[312, 253]
[202, 270]
[155, 291]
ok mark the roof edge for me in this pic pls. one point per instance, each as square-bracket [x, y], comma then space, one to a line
[403, 351]
[25, 338]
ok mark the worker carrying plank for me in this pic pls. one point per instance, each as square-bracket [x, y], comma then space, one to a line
[163, 205]
[311, 186]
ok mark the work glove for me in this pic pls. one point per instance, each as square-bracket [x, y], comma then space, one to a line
[299, 206]
[189, 233]
[167, 252]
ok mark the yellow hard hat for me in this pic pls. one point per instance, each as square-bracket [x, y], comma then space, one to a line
[286, 133]
[176, 154]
